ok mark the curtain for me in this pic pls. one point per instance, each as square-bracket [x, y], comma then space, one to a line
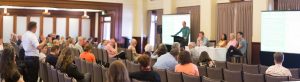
[194, 11]
[236, 17]
[288, 5]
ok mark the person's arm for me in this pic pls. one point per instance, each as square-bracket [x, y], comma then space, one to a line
[36, 42]
[240, 45]
[178, 32]
[21, 79]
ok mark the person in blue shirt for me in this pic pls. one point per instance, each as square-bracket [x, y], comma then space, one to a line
[185, 33]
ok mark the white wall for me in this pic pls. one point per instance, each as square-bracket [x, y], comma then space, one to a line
[258, 6]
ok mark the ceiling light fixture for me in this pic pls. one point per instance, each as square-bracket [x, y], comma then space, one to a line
[85, 16]
[46, 12]
[5, 11]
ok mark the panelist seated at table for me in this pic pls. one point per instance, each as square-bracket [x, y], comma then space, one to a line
[202, 40]
[223, 41]
[240, 49]
[232, 40]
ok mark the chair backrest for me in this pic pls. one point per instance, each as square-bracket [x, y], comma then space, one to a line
[110, 60]
[104, 56]
[206, 79]
[220, 64]
[97, 72]
[188, 78]
[202, 71]
[248, 77]
[60, 76]
[162, 73]
[78, 63]
[134, 67]
[270, 78]
[95, 52]
[83, 66]
[129, 55]
[234, 66]
[49, 72]
[251, 69]
[262, 69]
[40, 71]
[135, 80]
[104, 74]
[174, 76]
[45, 72]
[54, 74]
[89, 66]
[67, 78]
[100, 55]
[215, 73]
[232, 76]
[294, 79]
[295, 73]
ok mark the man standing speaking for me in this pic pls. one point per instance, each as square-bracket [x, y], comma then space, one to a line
[185, 33]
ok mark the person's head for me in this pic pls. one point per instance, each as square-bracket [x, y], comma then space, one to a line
[232, 36]
[183, 23]
[54, 50]
[148, 48]
[112, 40]
[44, 49]
[133, 42]
[174, 52]
[278, 58]
[31, 26]
[192, 45]
[81, 40]
[8, 62]
[201, 34]
[117, 72]
[162, 49]
[240, 35]
[50, 39]
[147, 53]
[56, 42]
[224, 37]
[19, 37]
[65, 58]
[62, 38]
[144, 61]
[184, 57]
[70, 41]
[204, 57]
[176, 45]
[88, 48]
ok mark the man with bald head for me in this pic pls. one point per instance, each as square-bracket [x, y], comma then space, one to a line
[131, 47]
[185, 33]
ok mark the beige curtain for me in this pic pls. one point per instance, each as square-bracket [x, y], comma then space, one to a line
[195, 19]
[236, 17]
[288, 5]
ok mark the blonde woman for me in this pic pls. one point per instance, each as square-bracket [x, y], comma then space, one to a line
[117, 72]
[232, 40]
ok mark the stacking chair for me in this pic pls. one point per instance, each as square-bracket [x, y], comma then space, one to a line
[215, 73]
[234, 66]
[162, 73]
[206, 79]
[104, 74]
[135, 80]
[188, 78]
[270, 78]
[49, 72]
[129, 55]
[174, 76]
[251, 69]
[83, 66]
[54, 75]
[105, 57]
[294, 79]
[202, 71]
[45, 72]
[220, 64]
[232, 76]
[67, 78]
[262, 69]
[248, 77]
[100, 55]
[97, 73]
[60, 76]
[89, 66]
[110, 60]
[95, 52]
[78, 63]
[40, 71]
[295, 73]
[134, 67]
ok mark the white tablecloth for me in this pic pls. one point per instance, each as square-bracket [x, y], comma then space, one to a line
[218, 54]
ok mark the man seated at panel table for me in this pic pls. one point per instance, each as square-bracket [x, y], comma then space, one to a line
[278, 69]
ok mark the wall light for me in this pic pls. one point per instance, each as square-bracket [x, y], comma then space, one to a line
[46, 12]
[85, 16]
[5, 11]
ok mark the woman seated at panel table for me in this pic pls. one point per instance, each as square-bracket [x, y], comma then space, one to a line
[223, 41]
[232, 42]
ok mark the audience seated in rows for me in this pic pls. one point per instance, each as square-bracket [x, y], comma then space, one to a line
[205, 60]
[9, 70]
[117, 72]
[131, 47]
[185, 64]
[168, 60]
[146, 74]
[53, 55]
[278, 69]
[161, 50]
[87, 54]
[112, 48]
[201, 39]
[223, 41]
[65, 64]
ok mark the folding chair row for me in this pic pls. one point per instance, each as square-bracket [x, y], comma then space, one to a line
[54, 75]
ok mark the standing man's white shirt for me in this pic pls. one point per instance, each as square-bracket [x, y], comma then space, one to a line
[30, 44]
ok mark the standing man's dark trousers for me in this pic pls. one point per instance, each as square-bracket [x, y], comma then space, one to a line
[31, 68]
[232, 51]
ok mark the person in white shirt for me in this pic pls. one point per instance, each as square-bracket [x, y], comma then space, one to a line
[278, 69]
[31, 46]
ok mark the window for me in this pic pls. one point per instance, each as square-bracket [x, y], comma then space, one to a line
[106, 28]
[152, 29]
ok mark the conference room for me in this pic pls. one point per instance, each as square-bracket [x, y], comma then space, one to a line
[149, 40]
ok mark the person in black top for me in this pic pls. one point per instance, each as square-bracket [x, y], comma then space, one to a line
[52, 57]
[146, 74]
[9, 71]
[65, 64]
